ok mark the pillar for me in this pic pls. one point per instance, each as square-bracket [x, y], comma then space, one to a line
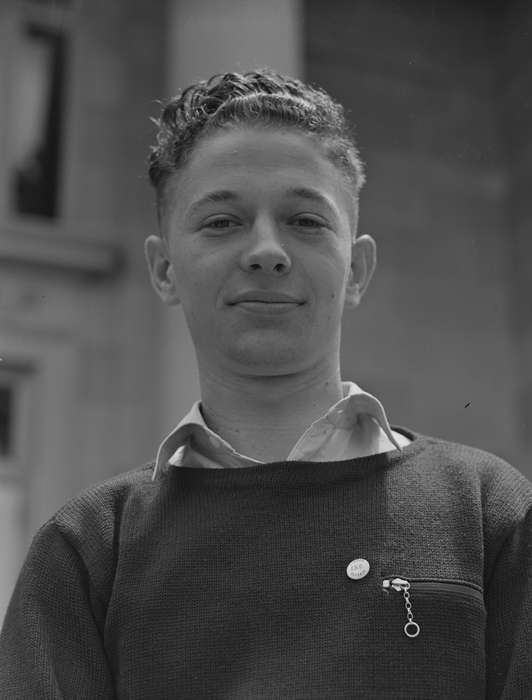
[206, 37]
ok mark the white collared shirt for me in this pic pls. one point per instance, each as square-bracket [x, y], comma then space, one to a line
[355, 426]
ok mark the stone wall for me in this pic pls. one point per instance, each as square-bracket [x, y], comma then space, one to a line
[516, 99]
[434, 337]
[108, 327]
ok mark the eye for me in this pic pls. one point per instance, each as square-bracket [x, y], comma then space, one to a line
[308, 222]
[219, 223]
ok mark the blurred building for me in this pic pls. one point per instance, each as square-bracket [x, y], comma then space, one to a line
[94, 371]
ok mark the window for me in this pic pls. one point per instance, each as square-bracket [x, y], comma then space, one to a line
[38, 34]
[15, 434]
[38, 100]
[14, 407]
[6, 420]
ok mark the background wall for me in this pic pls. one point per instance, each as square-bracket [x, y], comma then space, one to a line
[515, 93]
[440, 95]
[79, 332]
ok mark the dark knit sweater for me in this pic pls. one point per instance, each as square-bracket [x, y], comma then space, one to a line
[232, 583]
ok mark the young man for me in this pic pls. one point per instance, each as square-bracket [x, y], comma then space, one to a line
[287, 542]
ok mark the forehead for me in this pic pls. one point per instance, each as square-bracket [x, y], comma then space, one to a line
[242, 157]
[262, 146]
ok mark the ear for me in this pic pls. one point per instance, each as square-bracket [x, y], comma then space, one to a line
[161, 269]
[363, 263]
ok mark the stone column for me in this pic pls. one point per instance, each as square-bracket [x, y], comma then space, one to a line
[206, 37]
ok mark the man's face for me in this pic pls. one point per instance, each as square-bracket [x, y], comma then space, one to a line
[265, 234]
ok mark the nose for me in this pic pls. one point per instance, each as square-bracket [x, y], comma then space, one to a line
[264, 250]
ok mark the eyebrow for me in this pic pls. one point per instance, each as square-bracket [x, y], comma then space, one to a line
[217, 196]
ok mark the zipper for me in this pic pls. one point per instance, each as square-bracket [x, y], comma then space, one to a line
[411, 629]
[397, 583]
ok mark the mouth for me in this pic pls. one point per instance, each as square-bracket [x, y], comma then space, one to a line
[267, 307]
[265, 296]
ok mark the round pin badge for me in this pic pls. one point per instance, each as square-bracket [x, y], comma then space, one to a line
[358, 568]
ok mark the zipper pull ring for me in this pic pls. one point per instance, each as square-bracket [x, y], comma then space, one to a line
[411, 629]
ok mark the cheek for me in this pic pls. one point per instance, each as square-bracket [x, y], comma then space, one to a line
[329, 290]
[199, 280]
[330, 279]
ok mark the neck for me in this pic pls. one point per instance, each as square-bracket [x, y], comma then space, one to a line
[263, 416]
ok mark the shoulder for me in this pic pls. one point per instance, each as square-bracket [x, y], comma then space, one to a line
[86, 532]
[501, 488]
[492, 470]
[104, 501]
[91, 522]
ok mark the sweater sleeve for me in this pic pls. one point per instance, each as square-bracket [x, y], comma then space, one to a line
[509, 621]
[51, 645]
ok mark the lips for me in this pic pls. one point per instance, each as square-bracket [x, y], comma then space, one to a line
[265, 296]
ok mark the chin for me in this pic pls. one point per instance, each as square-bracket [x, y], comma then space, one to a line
[268, 360]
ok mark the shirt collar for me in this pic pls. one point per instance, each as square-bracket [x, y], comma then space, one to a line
[343, 413]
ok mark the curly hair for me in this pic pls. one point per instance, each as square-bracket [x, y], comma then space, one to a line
[259, 97]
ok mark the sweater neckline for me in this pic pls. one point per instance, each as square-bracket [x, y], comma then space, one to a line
[301, 471]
